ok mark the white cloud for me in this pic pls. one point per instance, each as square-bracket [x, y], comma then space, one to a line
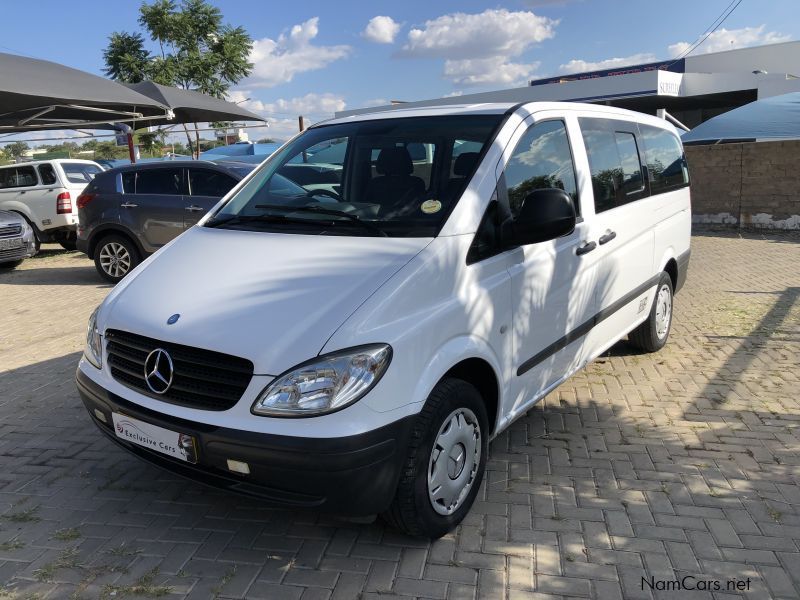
[484, 71]
[494, 32]
[729, 39]
[313, 106]
[581, 66]
[381, 30]
[479, 48]
[278, 61]
[538, 3]
[375, 102]
[454, 94]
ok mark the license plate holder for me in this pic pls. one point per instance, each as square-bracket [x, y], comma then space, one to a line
[153, 437]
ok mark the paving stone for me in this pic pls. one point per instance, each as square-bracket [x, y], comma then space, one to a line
[680, 462]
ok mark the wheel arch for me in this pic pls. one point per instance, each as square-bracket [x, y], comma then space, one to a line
[471, 359]
[102, 232]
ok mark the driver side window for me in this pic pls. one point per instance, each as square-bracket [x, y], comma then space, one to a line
[541, 159]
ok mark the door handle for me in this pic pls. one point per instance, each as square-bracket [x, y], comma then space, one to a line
[128, 205]
[586, 248]
[195, 208]
[604, 239]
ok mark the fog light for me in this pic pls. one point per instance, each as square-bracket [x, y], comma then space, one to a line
[99, 414]
[238, 466]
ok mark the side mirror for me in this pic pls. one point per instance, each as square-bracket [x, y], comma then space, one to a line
[546, 214]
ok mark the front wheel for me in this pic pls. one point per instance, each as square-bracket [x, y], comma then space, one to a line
[114, 257]
[445, 462]
[651, 335]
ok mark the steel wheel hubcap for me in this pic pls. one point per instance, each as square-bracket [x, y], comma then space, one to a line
[115, 259]
[454, 462]
[663, 311]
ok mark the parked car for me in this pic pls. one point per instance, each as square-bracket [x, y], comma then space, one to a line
[354, 348]
[43, 192]
[17, 241]
[129, 212]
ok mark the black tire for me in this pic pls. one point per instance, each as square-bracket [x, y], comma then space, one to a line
[412, 509]
[8, 266]
[111, 245]
[650, 336]
[68, 244]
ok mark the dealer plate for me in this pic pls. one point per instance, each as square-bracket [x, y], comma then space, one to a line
[172, 443]
[10, 244]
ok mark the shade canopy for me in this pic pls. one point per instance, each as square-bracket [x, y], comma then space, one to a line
[192, 107]
[39, 94]
[771, 118]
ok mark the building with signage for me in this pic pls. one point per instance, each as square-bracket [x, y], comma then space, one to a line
[691, 89]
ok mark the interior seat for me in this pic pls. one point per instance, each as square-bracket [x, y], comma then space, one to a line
[462, 168]
[395, 186]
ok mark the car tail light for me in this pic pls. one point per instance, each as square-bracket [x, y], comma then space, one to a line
[84, 199]
[63, 203]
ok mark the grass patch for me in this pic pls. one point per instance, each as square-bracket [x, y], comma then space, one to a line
[775, 515]
[123, 550]
[143, 587]
[24, 516]
[11, 545]
[217, 590]
[68, 559]
[67, 535]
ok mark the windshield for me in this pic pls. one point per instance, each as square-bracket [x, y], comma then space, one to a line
[394, 177]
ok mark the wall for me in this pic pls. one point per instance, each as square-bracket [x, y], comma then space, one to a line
[751, 184]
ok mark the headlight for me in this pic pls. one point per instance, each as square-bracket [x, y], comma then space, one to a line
[326, 383]
[94, 342]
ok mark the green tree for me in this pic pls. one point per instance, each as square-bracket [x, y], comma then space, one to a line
[152, 141]
[126, 58]
[17, 149]
[196, 50]
[109, 150]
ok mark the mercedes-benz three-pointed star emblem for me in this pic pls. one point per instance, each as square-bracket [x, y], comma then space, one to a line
[158, 371]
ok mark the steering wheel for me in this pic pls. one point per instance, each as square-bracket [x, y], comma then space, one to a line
[324, 192]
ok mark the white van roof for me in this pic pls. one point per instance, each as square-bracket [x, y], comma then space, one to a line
[400, 111]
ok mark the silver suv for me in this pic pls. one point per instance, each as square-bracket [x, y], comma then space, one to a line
[17, 240]
[128, 213]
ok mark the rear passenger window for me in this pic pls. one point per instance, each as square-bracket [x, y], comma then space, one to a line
[18, 177]
[542, 159]
[205, 182]
[666, 164]
[617, 176]
[129, 182]
[47, 174]
[166, 182]
[632, 180]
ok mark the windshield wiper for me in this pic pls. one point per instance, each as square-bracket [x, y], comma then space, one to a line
[235, 219]
[326, 211]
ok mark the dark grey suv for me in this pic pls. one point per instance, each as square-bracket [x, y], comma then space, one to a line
[128, 213]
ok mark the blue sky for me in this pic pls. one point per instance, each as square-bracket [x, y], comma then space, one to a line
[317, 57]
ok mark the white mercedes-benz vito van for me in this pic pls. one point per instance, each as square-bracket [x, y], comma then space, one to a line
[350, 326]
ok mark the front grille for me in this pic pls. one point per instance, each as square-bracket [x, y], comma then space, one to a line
[201, 379]
[7, 231]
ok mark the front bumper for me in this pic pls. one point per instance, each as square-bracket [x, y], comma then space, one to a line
[355, 475]
[26, 250]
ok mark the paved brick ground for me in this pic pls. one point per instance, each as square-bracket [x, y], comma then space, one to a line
[682, 463]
